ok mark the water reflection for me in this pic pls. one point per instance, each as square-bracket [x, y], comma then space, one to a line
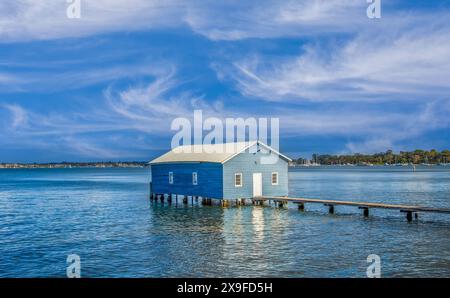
[258, 225]
[186, 239]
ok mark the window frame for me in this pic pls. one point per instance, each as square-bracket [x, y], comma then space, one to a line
[241, 179]
[276, 175]
[170, 177]
[194, 181]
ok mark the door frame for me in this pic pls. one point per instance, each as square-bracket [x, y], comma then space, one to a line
[257, 184]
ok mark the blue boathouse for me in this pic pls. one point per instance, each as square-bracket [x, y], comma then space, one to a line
[240, 170]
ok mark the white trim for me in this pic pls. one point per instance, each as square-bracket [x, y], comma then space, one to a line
[274, 151]
[235, 175]
[251, 144]
[194, 181]
[170, 177]
[271, 178]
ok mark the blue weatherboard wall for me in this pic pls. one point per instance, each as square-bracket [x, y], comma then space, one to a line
[247, 164]
[209, 177]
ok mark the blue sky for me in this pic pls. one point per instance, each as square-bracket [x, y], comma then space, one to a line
[107, 86]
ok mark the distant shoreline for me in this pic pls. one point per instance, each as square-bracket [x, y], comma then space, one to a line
[90, 165]
[368, 165]
[388, 158]
[68, 165]
[417, 157]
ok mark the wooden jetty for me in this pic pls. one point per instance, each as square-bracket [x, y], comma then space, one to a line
[409, 210]
[365, 206]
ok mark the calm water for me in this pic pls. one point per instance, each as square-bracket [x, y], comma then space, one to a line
[105, 217]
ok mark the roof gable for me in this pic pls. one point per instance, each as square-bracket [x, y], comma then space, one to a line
[216, 153]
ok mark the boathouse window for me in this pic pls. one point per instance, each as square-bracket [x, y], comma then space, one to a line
[275, 178]
[194, 178]
[238, 179]
[170, 177]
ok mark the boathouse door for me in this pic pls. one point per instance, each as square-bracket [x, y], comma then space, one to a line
[257, 185]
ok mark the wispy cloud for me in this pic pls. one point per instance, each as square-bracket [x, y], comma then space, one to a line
[145, 111]
[405, 128]
[87, 147]
[47, 19]
[151, 107]
[370, 146]
[270, 19]
[5, 78]
[18, 114]
[49, 80]
[373, 65]
[216, 20]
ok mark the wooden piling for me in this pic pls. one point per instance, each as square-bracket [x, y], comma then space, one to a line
[301, 207]
[408, 216]
[365, 211]
[150, 190]
[330, 208]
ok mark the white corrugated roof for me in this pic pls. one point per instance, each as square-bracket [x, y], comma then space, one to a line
[218, 153]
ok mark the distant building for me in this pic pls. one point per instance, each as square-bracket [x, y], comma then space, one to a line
[233, 174]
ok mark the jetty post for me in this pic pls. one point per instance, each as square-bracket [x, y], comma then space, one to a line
[150, 190]
[301, 206]
[330, 208]
[365, 211]
[409, 214]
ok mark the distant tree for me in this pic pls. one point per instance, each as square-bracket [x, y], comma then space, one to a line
[417, 156]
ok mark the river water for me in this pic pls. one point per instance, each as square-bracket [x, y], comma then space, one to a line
[105, 217]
